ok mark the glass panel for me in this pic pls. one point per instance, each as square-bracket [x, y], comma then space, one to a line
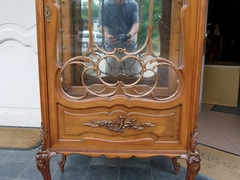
[124, 47]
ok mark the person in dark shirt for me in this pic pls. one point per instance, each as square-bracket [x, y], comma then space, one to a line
[119, 20]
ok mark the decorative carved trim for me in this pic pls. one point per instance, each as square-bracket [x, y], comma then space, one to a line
[119, 124]
[47, 13]
[42, 162]
[192, 158]
[193, 140]
[44, 136]
[193, 155]
[119, 86]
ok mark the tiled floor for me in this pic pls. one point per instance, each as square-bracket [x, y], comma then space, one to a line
[218, 130]
[20, 165]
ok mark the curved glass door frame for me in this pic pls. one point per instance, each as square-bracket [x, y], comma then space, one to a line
[81, 73]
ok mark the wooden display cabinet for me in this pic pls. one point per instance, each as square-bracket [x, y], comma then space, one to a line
[150, 112]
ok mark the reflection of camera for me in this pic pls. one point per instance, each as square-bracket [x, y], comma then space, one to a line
[123, 37]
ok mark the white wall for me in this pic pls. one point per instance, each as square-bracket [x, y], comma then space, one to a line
[19, 84]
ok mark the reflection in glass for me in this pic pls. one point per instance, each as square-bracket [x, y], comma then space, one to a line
[106, 48]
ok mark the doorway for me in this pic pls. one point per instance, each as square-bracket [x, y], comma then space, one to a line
[223, 24]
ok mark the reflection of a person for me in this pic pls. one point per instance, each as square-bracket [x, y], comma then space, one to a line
[119, 20]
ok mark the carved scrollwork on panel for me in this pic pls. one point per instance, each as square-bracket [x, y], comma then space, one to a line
[119, 124]
[147, 69]
[101, 84]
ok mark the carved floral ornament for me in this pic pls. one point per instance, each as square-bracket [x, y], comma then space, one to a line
[119, 124]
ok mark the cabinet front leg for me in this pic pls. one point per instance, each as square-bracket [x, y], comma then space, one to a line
[192, 158]
[176, 165]
[42, 162]
[193, 164]
[62, 163]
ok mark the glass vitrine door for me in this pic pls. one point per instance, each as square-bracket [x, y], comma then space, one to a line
[99, 56]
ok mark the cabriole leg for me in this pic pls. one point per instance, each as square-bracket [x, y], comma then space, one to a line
[42, 162]
[193, 165]
[176, 165]
[192, 158]
[62, 163]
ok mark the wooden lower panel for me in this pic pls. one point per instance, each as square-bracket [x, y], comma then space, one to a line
[112, 124]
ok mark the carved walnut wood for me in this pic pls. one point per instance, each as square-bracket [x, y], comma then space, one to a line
[176, 165]
[87, 111]
[62, 163]
[119, 124]
[192, 158]
[42, 162]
